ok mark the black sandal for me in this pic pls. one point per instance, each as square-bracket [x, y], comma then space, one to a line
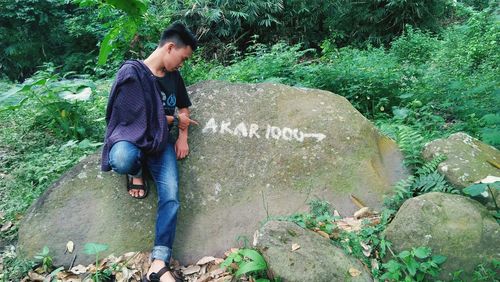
[144, 187]
[155, 276]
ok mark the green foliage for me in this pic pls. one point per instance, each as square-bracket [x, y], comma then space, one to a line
[275, 64]
[248, 262]
[34, 32]
[60, 116]
[125, 26]
[378, 22]
[34, 154]
[426, 180]
[414, 265]
[411, 144]
[320, 216]
[96, 249]
[369, 79]
[487, 271]
[14, 268]
[44, 259]
[414, 46]
[486, 190]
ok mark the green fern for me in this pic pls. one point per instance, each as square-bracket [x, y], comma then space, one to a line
[433, 182]
[431, 166]
[426, 180]
[411, 143]
[402, 192]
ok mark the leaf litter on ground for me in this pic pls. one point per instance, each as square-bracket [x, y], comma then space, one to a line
[131, 267]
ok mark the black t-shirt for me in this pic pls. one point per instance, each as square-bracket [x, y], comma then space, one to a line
[173, 94]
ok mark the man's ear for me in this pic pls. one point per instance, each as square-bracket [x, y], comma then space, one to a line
[168, 46]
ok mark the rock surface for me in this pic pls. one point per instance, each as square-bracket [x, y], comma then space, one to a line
[315, 259]
[251, 157]
[88, 206]
[451, 225]
[260, 150]
[467, 159]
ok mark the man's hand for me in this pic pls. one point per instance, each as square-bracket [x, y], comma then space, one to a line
[181, 148]
[185, 121]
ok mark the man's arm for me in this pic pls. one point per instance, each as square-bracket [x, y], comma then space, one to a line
[181, 145]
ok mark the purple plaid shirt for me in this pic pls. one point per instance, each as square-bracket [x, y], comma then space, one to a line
[135, 112]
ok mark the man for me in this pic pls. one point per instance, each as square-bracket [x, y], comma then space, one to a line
[140, 112]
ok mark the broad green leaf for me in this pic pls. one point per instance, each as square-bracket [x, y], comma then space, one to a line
[253, 255]
[495, 185]
[422, 252]
[250, 267]
[412, 266]
[404, 254]
[475, 189]
[106, 45]
[94, 248]
[438, 259]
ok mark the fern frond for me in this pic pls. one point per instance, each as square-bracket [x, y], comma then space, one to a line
[410, 142]
[431, 166]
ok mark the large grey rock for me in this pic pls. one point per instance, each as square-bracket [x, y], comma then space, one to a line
[467, 159]
[451, 225]
[316, 259]
[88, 206]
[238, 173]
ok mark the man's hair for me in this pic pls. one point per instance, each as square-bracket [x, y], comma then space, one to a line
[180, 35]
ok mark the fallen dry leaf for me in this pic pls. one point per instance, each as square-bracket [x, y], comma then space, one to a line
[363, 212]
[205, 260]
[295, 247]
[192, 269]
[217, 272]
[70, 246]
[367, 249]
[35, 276]
[374, 264]
[489, 179]
[336, 213]
[354, 272]
[6, 226]
[323, 233]
[79, 269]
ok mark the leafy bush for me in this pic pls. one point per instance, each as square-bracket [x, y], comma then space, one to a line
[248, 262]
[33, 154]
[414, 265]
[414, 46]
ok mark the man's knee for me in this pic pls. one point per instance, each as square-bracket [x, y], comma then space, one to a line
[124, 158]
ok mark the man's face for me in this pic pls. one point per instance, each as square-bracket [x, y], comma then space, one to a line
[175, 56]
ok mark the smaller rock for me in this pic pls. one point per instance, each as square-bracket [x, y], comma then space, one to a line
[467, 159]
[454, 226]
[274, 242]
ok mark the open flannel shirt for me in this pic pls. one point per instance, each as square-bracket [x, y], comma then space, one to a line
[135, 112]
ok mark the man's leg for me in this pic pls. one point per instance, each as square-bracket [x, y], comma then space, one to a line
[125, 158]
[163, 168]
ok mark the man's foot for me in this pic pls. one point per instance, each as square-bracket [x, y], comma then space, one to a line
[155, 267]
[136, 187]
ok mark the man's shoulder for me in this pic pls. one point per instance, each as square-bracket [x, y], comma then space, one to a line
[131, 69]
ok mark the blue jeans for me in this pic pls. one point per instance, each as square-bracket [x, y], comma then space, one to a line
[126, 158]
